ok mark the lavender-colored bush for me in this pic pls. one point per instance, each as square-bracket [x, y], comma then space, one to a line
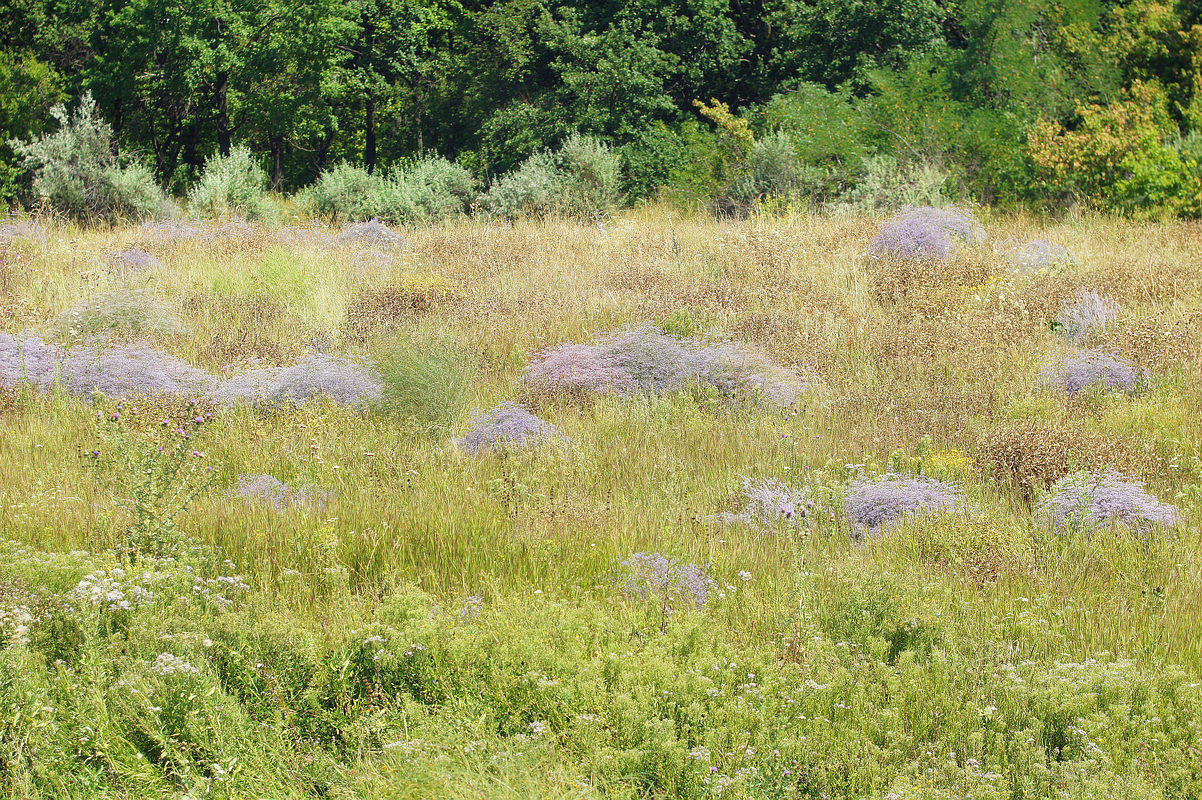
[131, 259]
[255, 387]
[656, 361]
[21, 229]
[372, 234]
[1088, 500]
[736, 371]
[926, 233]
[271, 491]
[26, 359]
[343, 379]
[170, 232]
[576, 370]
[506, 425]
[1082, 369]
[127, 311]
[131, 370]
[645, 576]
[874, 504]
[645, 359]
[1087, 317]
[772, 506]
[1039, 254]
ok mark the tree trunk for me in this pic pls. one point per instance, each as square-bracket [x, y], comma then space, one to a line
[223, 113]
[277, 162]
[369, 147]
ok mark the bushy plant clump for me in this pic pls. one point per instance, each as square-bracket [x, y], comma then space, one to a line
[271, 491]
[1040, 255]
[345, 380]
[582, 178]
[1087, 317]
[428, 190]
[124, 311]
[25, 359]
[1084, 369]
[926, 233]
[1032, 454]
[231, 186]
[1089, 500]
[76, 173]
[21, 229]
[655, 576]
[132, 259]
[772, 506]
[506, 426]
[874, 504]
[372, 234]
[130, 370]
[645, 359]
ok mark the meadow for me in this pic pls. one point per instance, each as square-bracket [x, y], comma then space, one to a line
[803, 510]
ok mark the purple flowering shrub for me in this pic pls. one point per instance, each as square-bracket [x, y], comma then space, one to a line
[1082, 369]
[772, 505]
[373, 234]
[645, 359]
[1089, 500]
[26, 359]
[645, 576]
[269, 490]
[576, 370]
[345, 380]
[873, 504]
[926, 233]
[506, 425]
[131, 259]
[1087, 317]
[130, 370]
[1040, 255]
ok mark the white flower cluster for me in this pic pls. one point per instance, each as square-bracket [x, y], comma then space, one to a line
[168, 664]
[15, 622]
[114, 591]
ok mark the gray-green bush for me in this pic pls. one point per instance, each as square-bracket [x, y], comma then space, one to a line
[231, 186]
[581, 178]
[428, 190]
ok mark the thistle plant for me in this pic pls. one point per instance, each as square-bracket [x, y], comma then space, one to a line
[154, 471]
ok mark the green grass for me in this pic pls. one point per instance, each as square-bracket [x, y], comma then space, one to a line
[450, 626]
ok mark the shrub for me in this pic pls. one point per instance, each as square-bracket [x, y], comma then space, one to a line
[131, 260]
[657, 362]
[772, 506]
[132, 370]
[1083, 369]
[343, 379]
[373, 234]
[926, 233]
[1087, 317]
[1031, 454]
[506, 426]
[884, 182]
[377, 310]
[277, 494]
[1040, 255]
[76, 173]
[582, 178]
[738, 372]
[575, 371]
[233, 185]
[125, 311]
[255, 387]
[652, 576]
[423, 382]
[26, 359]
[1088, 500]
[428, 190]
[874, 504]
[21, 229]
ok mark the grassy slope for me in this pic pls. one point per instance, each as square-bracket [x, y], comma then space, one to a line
[921, 665]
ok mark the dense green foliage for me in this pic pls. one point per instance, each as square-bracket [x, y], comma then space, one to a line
[997, 95]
